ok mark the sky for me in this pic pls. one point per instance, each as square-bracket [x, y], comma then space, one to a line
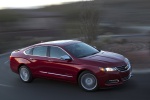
[4, 4]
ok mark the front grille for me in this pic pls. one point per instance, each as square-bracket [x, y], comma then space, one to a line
[122, 68]
[126, 78]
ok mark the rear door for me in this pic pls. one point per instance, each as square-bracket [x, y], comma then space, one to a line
[38, 59]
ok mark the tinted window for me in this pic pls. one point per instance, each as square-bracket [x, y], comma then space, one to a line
[28, 52]
[81, 49]
[40, 51]
[56, 52]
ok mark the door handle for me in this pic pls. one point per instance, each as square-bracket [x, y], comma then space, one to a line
[31, 59]
[50, 60]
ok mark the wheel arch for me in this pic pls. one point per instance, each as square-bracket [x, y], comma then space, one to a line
[88, 71]
[22, 65]
[30, 73]
[81, 71]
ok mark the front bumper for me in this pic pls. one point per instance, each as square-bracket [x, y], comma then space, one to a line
[115, 78]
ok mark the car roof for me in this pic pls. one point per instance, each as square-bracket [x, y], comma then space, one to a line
[59, 42]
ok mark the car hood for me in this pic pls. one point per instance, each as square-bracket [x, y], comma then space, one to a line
[106, 59]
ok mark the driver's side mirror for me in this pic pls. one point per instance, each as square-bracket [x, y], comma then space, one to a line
[65, 57]
[95, 47]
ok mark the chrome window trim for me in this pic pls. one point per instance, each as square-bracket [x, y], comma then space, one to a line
[62, 50]
[24, 52]
[33, 48]
[47, 51]
[55, 74]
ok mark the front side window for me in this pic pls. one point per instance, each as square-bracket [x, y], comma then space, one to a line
[56, 52]
[40, 51]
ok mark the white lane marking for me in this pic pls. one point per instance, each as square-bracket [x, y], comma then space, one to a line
[3, 85]
[141, 71]
[6, 62]
[5, 54]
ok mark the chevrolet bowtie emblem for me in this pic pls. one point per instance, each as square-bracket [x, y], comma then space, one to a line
[126, 67]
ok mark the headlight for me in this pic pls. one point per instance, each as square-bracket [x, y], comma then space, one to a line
[110, 69]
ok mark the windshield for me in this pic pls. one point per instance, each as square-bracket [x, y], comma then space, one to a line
[81, 49]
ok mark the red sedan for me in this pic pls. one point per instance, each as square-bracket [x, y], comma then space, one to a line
[71, 61]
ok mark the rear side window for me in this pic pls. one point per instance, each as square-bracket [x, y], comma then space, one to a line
[56, 52]
[28, 52]
[40, 51]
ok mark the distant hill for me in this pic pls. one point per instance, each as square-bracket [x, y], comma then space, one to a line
[118, 12]
[136, 12]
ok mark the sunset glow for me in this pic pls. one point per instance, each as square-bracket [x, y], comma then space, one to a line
[25, 4]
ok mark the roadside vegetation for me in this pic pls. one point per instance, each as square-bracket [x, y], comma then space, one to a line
[82, 20]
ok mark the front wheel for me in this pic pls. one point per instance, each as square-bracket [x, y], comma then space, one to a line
[25, 74]
[88, 81]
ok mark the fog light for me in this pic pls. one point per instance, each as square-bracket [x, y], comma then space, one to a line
[113, 81]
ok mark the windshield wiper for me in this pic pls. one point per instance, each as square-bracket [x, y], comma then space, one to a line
[83, 56]
[88, 55]
[94, 53]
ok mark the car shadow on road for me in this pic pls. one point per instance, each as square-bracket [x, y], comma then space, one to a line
[60, 86]
[54, 84]
[128, 85]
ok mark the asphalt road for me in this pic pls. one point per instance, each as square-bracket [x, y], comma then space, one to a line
[12, 88]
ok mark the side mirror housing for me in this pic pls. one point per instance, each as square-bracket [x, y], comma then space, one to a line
[65, 57]
[95, 47]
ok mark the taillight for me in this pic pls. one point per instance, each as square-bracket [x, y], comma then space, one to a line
[10, 57]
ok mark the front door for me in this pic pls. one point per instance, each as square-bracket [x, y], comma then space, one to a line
[58, 68]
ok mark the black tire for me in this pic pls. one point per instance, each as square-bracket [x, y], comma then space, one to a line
[25, 74]
[87, 81]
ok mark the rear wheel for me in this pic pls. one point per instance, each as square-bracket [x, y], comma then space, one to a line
[25, 74]
[88, 81]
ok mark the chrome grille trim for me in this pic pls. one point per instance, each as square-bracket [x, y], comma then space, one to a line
[123, 68]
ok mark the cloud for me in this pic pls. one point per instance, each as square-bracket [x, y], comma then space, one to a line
[30, 3]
